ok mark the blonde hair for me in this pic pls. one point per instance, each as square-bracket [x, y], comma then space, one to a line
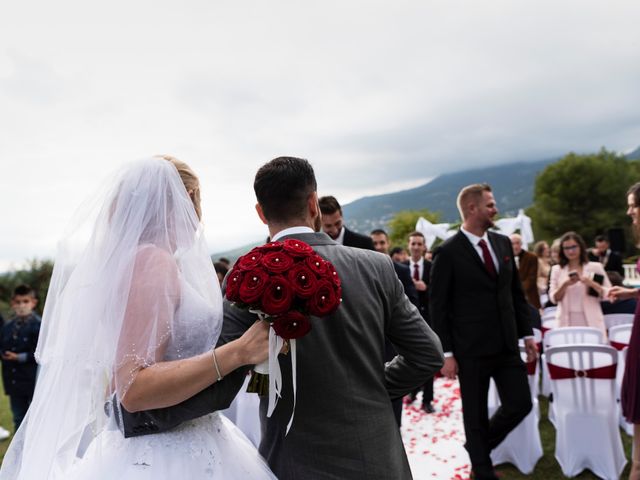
[190, 181]
[470, 193]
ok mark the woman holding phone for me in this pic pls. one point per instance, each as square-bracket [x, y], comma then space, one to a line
[630, 394]
[578, 285]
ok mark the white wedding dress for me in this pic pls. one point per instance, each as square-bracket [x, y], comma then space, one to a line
[209, 447]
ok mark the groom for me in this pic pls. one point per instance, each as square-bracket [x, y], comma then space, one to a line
[344, 426]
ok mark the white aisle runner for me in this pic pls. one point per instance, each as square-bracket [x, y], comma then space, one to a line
[434, 441]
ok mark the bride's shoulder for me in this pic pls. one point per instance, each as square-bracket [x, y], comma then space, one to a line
[150, 258]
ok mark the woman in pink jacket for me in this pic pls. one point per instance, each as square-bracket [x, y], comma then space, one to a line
[578, 285]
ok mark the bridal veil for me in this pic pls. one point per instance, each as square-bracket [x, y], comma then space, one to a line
[116, 285]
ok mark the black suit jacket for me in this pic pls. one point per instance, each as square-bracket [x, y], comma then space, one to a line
[614, 262]
[473, 314]
[423, 297]
[353, 239]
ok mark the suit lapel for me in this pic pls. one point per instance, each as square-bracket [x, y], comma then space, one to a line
[501, 255]
[471, 251]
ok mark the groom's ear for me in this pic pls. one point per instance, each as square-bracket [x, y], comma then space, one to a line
[313, 205]
[261, 214]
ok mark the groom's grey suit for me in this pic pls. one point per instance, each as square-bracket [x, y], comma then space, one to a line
[344, 426]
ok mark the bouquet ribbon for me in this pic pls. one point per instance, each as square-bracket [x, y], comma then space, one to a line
[275, 374]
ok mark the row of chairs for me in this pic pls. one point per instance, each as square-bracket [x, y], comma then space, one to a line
[583, 374]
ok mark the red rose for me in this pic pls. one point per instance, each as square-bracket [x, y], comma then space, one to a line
[296, 248]
[317, 264]
[325, 299]
[333, 275]
[249, 261]
[253, 284]
[270, 247]
[302, 280]
[277, 262]
[277, 296]
[292, 325]
[233, 285]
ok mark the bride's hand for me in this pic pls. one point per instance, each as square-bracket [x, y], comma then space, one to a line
[255, 342]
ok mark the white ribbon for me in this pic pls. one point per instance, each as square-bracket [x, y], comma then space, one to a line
[272, 368]
[275, 375]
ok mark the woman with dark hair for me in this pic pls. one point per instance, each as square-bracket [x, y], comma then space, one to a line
[578, 285]
[630, 394]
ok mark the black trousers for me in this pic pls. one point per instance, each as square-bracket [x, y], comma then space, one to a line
[484, 434]
[427, 392]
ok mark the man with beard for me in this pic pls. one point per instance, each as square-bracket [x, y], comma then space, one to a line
[479, 311]
[333, 225]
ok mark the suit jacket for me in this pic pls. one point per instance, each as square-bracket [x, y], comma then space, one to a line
[344, 426]
[353, 239]
[404, 275]
[613, 262]
[423, 297]
[19, 378]
[590, 305]
[473, 314]
[528, 273]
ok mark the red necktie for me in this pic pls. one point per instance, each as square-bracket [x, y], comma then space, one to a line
[416, 272]
[488, 261]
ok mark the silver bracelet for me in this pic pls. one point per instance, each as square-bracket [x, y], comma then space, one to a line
[215, 363]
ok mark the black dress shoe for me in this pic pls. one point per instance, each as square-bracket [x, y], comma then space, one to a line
[427, 407]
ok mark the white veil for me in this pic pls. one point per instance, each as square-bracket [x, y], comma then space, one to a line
[119, 278]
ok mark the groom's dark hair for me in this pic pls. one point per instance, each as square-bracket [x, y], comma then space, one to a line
[282, 188]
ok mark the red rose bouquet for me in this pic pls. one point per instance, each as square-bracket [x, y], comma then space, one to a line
[284, 283]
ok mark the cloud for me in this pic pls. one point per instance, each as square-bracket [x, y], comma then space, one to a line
[373, 94]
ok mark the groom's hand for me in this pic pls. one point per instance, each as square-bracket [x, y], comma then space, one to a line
[450, 368]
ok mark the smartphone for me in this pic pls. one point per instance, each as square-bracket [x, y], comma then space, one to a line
[573, 275]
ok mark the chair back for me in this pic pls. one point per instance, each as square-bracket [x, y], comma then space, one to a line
[619, 336]
[614, 319]
[583, 377]
[532, 372]
[573, 336]
[549, 324]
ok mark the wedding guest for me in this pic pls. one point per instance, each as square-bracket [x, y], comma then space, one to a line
[399, 254]
[479, 311]
[602, 253]
[554, 252]
[333, 225]
[221, 270]
[578, 285]
[527, 264]
[630, 392]
[420, 269]
[626, 305]
[18, 341]
[543, 252]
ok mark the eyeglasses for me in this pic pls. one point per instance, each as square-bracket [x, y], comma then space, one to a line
[570, 247]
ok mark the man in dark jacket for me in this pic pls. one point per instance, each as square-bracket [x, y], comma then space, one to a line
[333, 225]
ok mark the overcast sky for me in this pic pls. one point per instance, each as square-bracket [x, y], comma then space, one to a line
[379, 96]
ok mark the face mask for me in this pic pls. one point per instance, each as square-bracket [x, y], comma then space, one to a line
[23, 310]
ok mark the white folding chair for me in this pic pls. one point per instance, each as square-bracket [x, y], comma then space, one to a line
[522, 447]
[614, 319]
[583, 385]
[565, 336]
[547, 325]
[627, 427]
[619, 337]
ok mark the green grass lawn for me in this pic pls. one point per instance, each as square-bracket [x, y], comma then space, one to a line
[546, 469]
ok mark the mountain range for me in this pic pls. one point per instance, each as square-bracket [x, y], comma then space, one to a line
[512, 186]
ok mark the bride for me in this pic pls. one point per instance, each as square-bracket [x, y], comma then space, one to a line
[132, 317]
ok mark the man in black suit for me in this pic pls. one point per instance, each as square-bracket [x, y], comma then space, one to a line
[420, 270]
[333, 225]
[479, 311]
[611, 260]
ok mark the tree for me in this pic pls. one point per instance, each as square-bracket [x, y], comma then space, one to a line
[404, 222]
[583, 193]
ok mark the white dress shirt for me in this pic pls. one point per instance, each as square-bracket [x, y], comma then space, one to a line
[420, 264]
[474, 239]
[291, 231]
